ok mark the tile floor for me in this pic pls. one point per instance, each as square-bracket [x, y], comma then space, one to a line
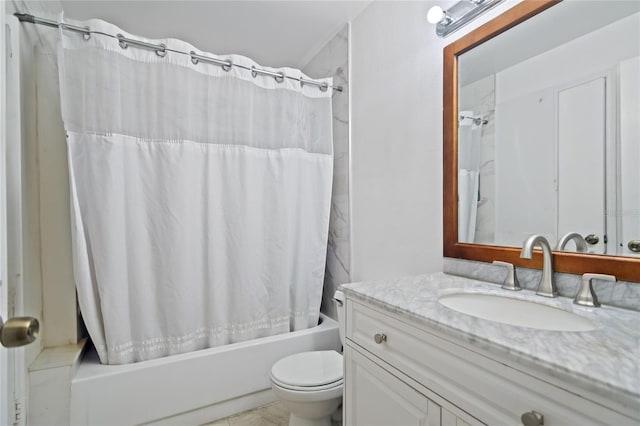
[269, 415]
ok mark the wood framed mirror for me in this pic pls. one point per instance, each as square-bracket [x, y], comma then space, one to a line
[624, 267]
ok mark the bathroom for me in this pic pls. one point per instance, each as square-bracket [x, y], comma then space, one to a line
[392, 215]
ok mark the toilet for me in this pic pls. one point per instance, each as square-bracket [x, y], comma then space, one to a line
[310, 384]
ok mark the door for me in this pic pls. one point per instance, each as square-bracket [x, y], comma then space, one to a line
[581, 163]
[628, 242]
[12, 332]
[6, 388]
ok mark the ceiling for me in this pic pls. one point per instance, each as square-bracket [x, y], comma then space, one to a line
[273, 33]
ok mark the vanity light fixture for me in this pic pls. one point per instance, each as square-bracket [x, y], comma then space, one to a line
[458, 15]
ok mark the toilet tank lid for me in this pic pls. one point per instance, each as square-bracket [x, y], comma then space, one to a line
[308, 368]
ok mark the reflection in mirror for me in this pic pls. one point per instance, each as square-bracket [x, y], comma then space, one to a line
[549, 130]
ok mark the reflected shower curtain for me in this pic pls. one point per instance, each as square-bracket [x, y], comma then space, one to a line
[200, 197]
[469, 150]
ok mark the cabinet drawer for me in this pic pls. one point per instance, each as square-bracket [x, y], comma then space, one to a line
[491, 391]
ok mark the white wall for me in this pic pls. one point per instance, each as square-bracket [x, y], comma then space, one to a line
[396, 155]
[597, 51]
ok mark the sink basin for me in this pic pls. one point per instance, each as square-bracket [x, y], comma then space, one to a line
[517, 312]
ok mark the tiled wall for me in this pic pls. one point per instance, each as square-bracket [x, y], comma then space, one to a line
[333, 60]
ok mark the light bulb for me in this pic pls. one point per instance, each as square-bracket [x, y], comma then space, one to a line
[435, 15]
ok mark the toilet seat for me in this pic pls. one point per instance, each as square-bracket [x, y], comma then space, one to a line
[308, 371]
[307, 388]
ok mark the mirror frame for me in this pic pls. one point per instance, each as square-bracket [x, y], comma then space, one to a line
[624, 268]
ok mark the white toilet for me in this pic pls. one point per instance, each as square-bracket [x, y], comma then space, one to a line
[309, 384]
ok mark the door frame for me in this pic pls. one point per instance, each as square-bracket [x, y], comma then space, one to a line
[12, 362]
[6, 388]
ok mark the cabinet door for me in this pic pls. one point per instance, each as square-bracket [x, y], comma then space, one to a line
[375, 397]
[450, 419]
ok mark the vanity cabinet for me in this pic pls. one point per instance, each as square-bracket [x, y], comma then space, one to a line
[378, 397]
[401, 372]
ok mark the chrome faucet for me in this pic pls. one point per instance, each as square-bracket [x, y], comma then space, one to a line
[581, 244]
[547, 286]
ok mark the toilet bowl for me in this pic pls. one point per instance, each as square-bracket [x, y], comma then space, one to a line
[310, 384]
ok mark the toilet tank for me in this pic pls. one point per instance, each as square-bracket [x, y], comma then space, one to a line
[338, 299]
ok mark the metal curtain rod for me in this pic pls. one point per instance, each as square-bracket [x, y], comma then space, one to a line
[476, 120]
[161, 50]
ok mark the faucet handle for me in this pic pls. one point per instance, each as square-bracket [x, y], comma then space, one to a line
[511, 282]
[586, 296]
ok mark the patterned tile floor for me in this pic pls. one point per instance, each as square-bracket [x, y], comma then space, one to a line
[269, 415]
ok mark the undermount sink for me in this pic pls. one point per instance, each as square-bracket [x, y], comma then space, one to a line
[518, 312]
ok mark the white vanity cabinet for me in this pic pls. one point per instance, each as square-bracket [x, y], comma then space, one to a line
[377, 397]
[400, 372]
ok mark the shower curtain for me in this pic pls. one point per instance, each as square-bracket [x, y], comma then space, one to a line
[469, 150]
[200, 196]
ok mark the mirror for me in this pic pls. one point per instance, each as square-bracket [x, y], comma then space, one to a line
[542, 135]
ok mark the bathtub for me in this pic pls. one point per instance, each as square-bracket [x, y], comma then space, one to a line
[192, 388]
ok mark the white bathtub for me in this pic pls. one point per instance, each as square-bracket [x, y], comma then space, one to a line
[191, 388]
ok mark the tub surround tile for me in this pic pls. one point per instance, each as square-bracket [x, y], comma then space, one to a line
[333, 60]
[622, 294]
[603, 361]
[59, 356]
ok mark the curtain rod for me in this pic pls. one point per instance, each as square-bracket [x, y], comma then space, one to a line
[476, 120]
[161, 50]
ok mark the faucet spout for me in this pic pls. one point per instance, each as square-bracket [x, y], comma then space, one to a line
[581, 244]
[547, 286]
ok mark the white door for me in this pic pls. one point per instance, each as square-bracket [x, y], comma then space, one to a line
[6, 380]
[12, 369]
[581, 162]
[628, 243]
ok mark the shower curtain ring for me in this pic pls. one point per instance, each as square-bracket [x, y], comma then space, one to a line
[162, 52]
[86, 31]
[280, 77]
[123, 44]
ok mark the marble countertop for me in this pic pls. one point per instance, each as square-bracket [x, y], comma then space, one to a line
[603, 360]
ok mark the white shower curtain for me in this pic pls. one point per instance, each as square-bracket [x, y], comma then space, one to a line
[469, 150]
[200, 197]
